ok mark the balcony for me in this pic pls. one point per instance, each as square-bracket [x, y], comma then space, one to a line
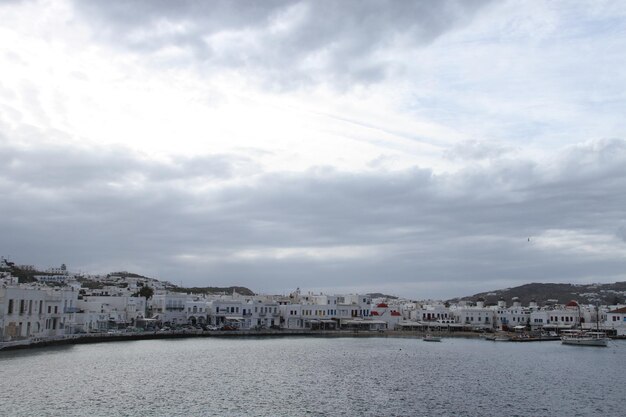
[69, 310]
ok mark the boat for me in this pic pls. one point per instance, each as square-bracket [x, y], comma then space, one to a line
[498, 337]
[431, 338]
[586, 338]
[582, 338]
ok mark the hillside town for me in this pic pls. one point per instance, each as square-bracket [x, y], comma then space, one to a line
[59, 304]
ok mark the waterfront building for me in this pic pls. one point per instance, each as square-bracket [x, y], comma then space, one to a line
[389, 314]
[353, 306]
[197, 310]
[230, 312]
[616, 320]
[570, 316]
[35, 312]
[477, 316]
[103, 312]
[168, 307]
[539, 318]
[437, 313]
[509, 318]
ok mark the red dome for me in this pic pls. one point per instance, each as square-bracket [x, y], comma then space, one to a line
[382, 305]
[395, 313]
[374, 313]
[572, 304]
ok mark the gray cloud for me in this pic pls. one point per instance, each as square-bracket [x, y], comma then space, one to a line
[287, 42]
[412, 232]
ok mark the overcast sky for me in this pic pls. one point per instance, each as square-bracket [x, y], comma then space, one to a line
[418, 148]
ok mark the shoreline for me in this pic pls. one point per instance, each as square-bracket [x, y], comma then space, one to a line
[242, 334]
[181, 334]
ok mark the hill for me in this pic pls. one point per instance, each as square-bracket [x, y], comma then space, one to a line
[213, 290]
[607, 294]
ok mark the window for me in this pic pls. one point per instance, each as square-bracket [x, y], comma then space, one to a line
[10, 307]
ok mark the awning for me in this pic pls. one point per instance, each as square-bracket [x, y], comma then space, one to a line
[365, 322]
[233, 318]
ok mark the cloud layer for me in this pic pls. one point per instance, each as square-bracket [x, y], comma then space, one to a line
[426, 149]
[283, 42]
[189, 220]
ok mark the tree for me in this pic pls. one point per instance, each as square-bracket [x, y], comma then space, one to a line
[146, 292]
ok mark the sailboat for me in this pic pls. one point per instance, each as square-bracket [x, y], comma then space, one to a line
[586, 338]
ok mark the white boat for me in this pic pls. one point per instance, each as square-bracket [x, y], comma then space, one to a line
[498, 337]
[431, 338]
[581, 338]
[586, 338]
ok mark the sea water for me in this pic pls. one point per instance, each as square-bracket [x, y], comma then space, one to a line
[306, 376]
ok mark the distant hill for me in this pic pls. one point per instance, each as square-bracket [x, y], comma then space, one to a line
[381, 295]
[195, 290]
[607, 294]
[213, 290]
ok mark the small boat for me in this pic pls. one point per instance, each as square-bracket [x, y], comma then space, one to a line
[431, 338]
[498, 337]
[582, 338]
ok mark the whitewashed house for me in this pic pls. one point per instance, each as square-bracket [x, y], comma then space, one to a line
[100, 312]
[168, 307]
[477, 317]
[616, 320]
[35, 311]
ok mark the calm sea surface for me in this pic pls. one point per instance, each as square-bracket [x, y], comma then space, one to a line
[315, 377]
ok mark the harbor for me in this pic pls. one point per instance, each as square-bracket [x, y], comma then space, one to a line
[300, 375]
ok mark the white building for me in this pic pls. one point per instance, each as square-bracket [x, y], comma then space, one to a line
[478, 316]
[58, 279]
[389, 314]
[168, 307]
[100, 312]
[197, 309]
[432, 313]
[616, 320]
[34, 311]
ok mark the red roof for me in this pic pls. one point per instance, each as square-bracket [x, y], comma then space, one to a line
[374, 313]
[619, 310]
[382, 305]
[572, 304]
[395, 313]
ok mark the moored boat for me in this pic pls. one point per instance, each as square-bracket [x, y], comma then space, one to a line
[431, 338]
[581, 338]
